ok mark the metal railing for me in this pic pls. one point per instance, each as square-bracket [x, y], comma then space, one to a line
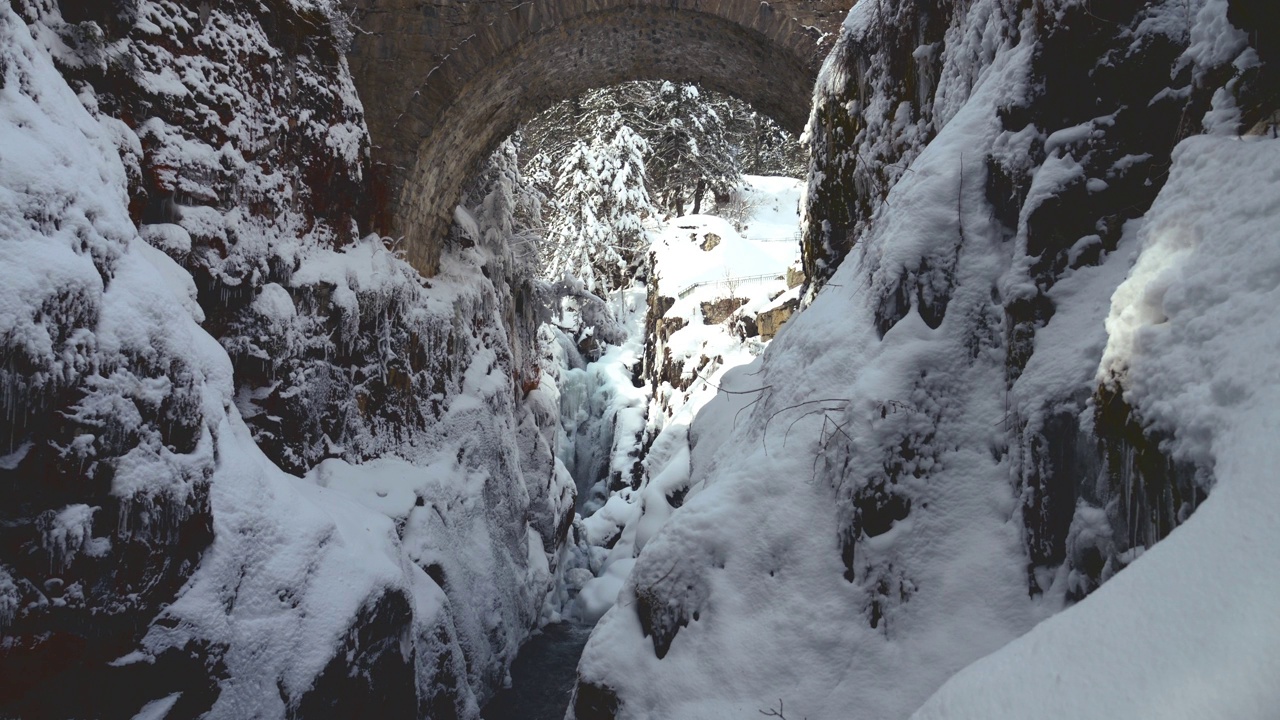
[735, 281]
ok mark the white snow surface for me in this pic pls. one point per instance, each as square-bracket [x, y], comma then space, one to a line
[771, 208]
[61, 193]
[293, 560]
[1189, 630]
[291, 565]
[630, 518]
[750, 265]
[767, 243]
[754, 552]
[750, 566]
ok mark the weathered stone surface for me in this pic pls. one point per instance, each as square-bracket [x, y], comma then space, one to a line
[771, 321]
[717, 311]
[444, 83]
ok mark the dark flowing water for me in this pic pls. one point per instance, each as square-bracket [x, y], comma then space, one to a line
[542, 676]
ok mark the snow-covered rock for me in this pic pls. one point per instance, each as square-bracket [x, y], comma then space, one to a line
[627, 418]
[1188, 631]
[926, 462]
[188, 307]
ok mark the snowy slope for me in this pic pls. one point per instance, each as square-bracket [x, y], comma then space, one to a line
[694, 269]
[762, 242]
[742, 599]
[155, 553]
[656, 417]
[771, 208]
[144, 345]
[429, 567]
[1189, 630]
[914, 474]
[292, 568]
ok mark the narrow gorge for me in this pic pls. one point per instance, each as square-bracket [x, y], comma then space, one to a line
[373, 358]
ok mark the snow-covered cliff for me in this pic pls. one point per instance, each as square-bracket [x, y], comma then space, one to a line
[187, 308]
[977, 419]
[252, 464]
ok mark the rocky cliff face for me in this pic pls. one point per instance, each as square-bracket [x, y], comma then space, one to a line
[191, 185]
[1076, 159]
[932, 462]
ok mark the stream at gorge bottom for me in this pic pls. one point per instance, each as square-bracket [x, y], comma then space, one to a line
[542, 676]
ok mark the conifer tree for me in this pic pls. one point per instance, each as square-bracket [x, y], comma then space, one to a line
[506, 204]
[628, 201]
[604, 159]
[692, 154]
[762, 146]
[597, 233]
[578, 241]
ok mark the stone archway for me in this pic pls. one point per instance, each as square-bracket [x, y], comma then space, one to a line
[443, 83]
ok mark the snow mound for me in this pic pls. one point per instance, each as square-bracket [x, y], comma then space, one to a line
[1189, 629]
[745, 596]
[685, 255]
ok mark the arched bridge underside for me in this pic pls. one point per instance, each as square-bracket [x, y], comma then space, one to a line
[444, 82]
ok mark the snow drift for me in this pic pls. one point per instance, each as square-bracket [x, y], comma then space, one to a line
[955, 440]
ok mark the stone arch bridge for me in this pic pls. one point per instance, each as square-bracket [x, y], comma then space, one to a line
[444, 81]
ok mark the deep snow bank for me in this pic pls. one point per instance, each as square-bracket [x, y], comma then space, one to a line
[626, 414]
[924, 464]
[1188, 631]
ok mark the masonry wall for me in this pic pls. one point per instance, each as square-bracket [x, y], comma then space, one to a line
[443, 84]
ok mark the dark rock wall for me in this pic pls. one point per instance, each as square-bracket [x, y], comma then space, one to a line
[857, 150]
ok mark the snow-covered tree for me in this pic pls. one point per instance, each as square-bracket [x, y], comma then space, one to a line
[692, 154]
[762, 146]
[605, 158]
[628, 202]
[697, 139]
[507, 206]
[597, 233]
[579, 242]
